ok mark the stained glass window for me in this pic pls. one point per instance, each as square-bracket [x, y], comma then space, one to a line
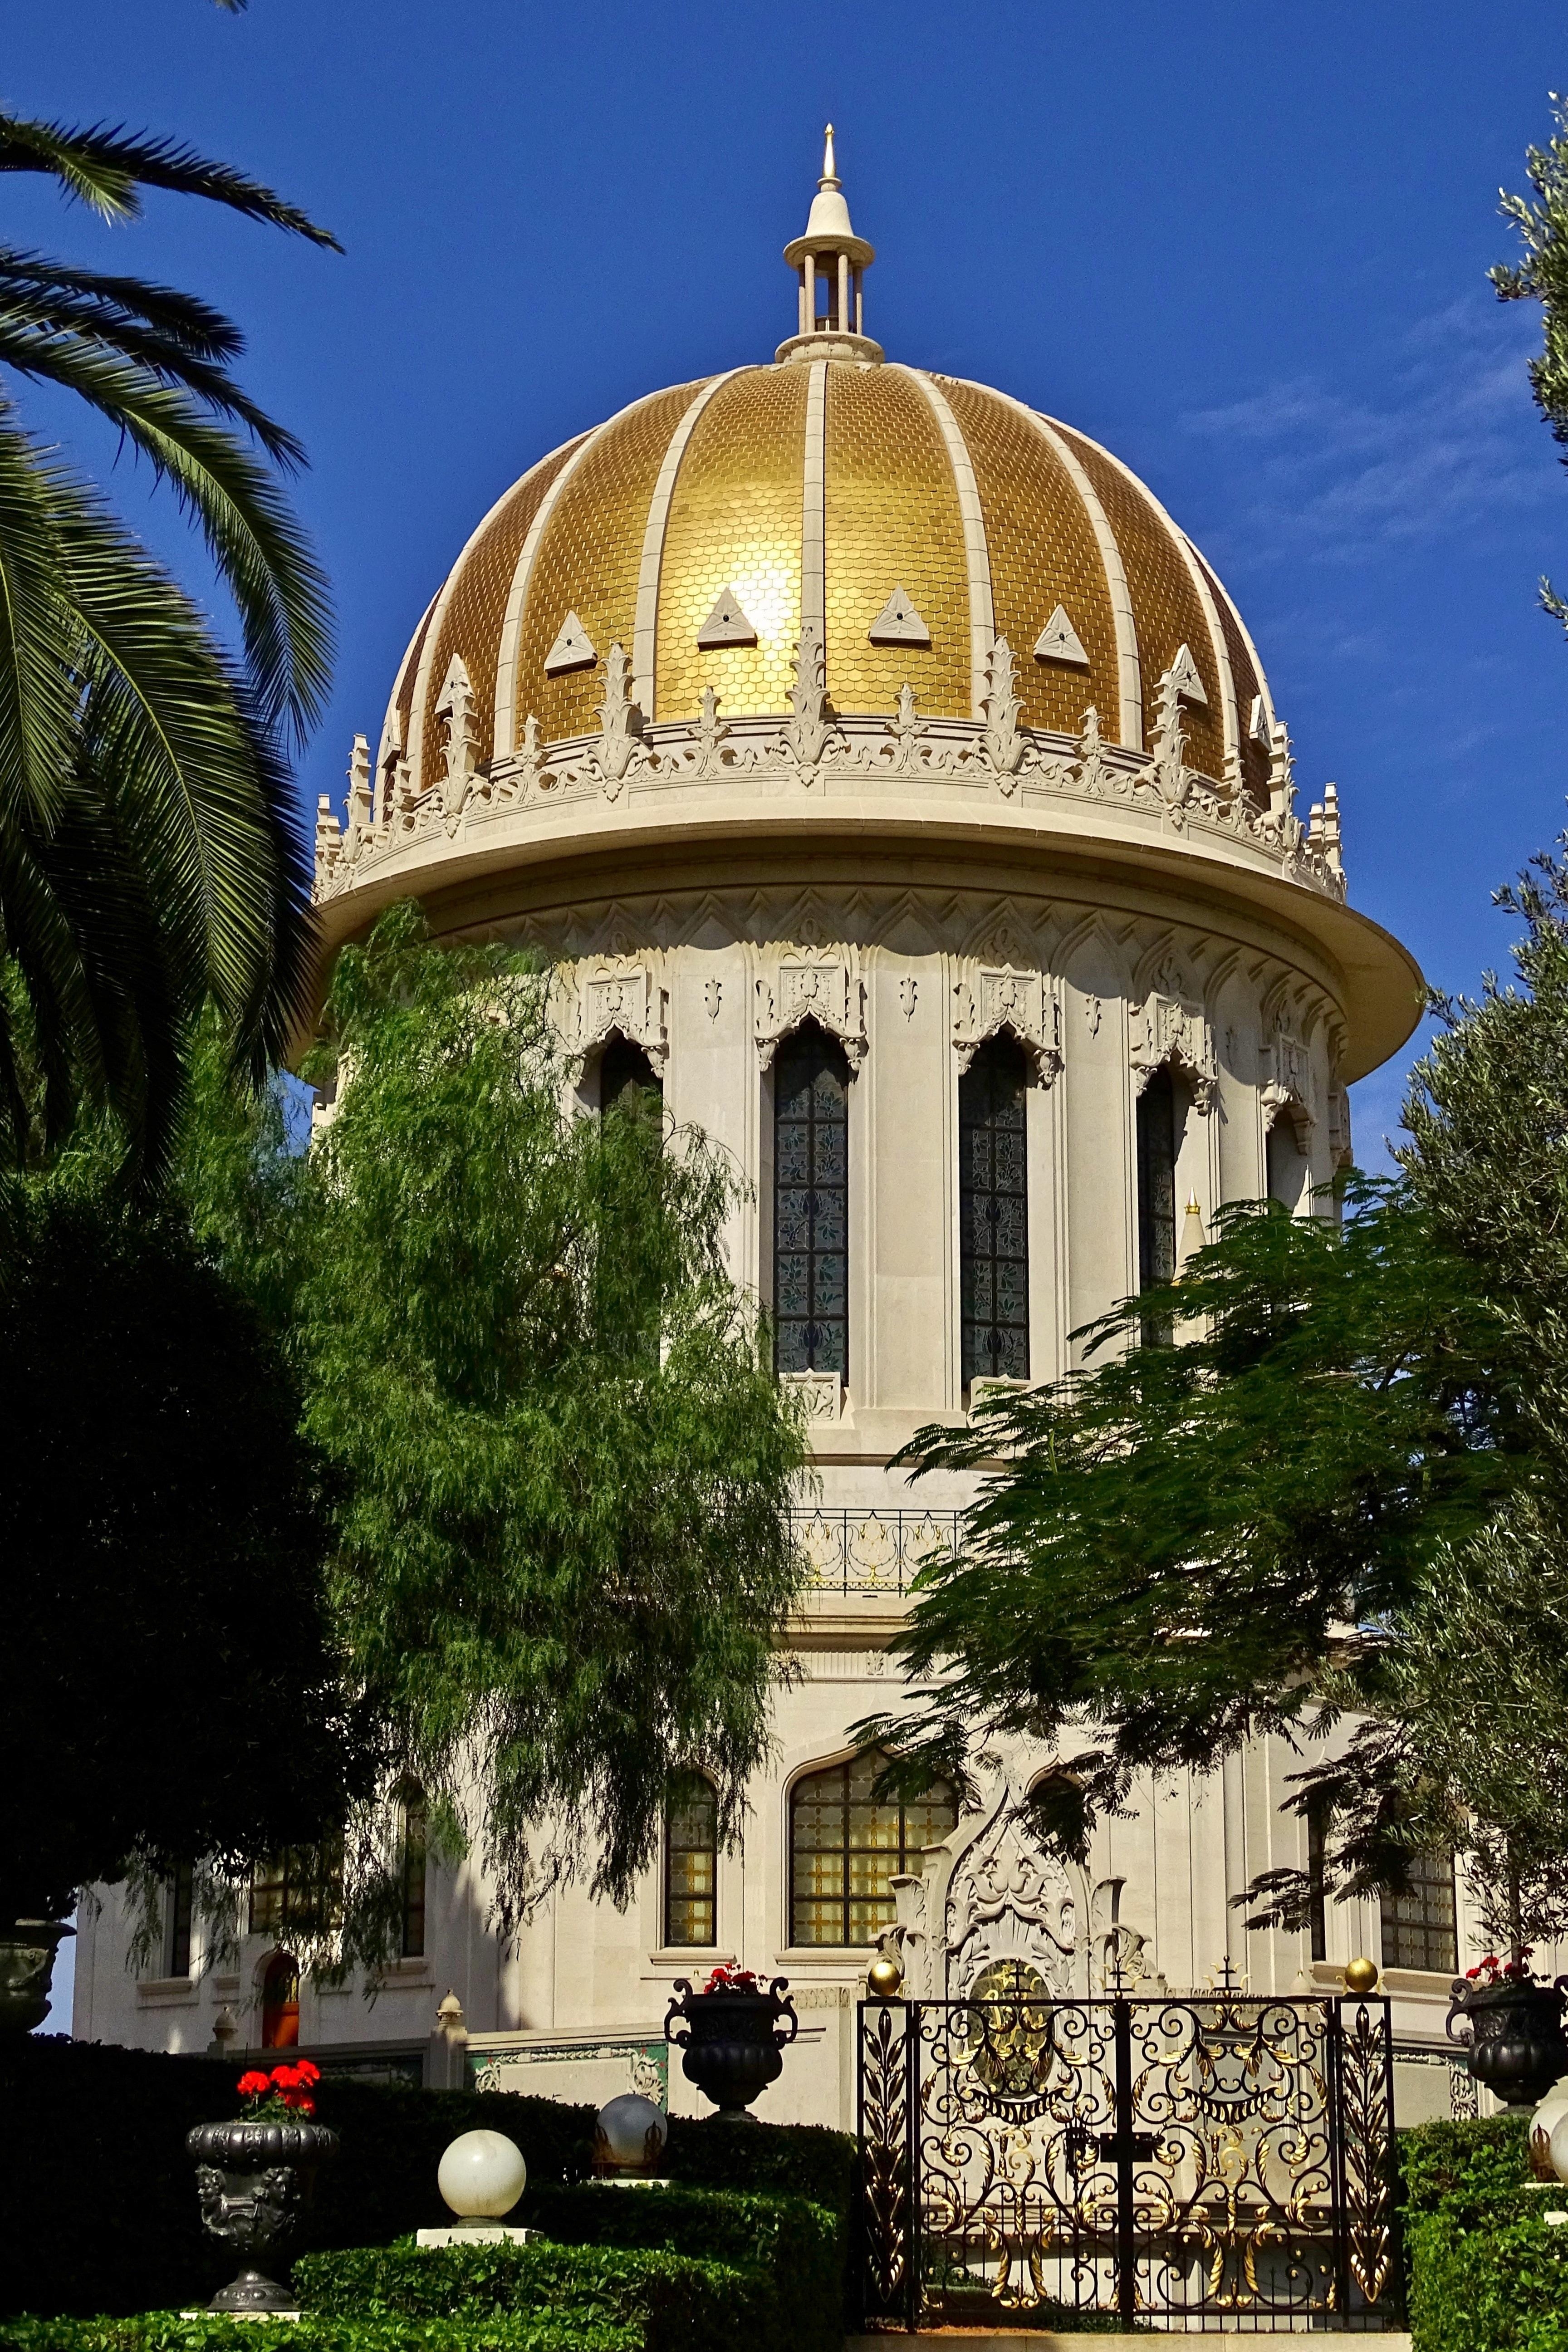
[692, 1868]
[811, 1205]
[1420, 1930]
[1157, 1181]
[847, 1846]
[994, 1214]
[627, 1076]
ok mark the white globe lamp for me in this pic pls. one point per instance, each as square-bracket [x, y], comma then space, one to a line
[482, 2177]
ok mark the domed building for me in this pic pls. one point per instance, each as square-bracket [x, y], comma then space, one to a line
[897, 787]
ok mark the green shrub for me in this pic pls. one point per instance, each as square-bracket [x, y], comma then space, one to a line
[680, 2304]
[171, 2331]
[1486, 2270]
[113, 2123]
[797, 2246]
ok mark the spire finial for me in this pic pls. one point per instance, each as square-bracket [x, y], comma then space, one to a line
[828, 261]
[829, 169]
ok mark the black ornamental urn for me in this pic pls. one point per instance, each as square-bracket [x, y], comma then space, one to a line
[252, 2176]
[733, 2038]
[1516, 2044]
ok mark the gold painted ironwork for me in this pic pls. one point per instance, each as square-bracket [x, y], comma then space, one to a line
[1207, 2158]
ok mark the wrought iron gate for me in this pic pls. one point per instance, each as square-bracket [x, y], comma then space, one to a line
[1206, 2160]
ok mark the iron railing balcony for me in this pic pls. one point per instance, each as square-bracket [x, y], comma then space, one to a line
[860, 1551]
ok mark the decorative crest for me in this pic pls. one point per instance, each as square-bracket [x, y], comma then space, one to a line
[622, 723]
[810, 727]
[1005, 743]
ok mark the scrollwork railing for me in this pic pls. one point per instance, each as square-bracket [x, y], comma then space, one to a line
[852, 1552]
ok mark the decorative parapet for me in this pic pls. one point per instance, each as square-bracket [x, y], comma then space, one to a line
[996, 754]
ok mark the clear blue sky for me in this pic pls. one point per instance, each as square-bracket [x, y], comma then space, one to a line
[1244, 245]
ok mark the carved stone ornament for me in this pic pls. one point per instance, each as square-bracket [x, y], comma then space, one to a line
[991, 1001]
[825, 989]
[622, 997]
[810, 731]
[1170, 1028]
[1005, 743]
[1340, 1147]
[1287, 1082]
[622, 719]
[820, 1394]
[1010, 1898]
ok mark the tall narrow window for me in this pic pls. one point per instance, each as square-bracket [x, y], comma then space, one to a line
[692, 1867]
[1317, 1876]
[412, 1869]
[847, 1847]
[177, 1904]
[994, 1214]
[1157, 1181]
[627, 1077]
[811, 1205]
[1420, 1930]
[301, 1888]
[281, 2002]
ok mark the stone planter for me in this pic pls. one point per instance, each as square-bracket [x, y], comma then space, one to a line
[28, 1948]
[252, 2178]
[732, 2042]
[1516, 2044]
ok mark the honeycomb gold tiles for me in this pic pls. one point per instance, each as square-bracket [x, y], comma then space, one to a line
[471, 623]
[1167, 606]
[588, 560]
[735, 523]
[892, 519]
[1043, 553]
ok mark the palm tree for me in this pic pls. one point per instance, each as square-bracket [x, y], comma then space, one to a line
[149, 856]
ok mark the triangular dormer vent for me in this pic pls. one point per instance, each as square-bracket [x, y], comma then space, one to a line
[899, 624]
[727, 623]
[572, 649]
[1184, 680]
[1058, 641]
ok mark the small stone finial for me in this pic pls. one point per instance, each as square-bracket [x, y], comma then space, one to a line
[329, 838]
[829, 170]
[362, 795]
[450, 2015]
[1330, 844]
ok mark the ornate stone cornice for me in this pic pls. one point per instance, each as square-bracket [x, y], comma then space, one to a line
[627, 757]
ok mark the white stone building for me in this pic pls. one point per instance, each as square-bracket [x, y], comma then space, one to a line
[899, 789]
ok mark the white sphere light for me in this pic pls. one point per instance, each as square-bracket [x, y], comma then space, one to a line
[482, 2175]
[624, 2125]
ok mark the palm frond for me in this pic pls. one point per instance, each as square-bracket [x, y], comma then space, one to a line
[258, 547]
[69, 341]
[195, 325]
[104, 166]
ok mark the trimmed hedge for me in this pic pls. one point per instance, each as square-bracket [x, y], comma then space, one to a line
[1486, 2272]
[113, 2123]
[171, 2331]
[679, 2303]
[797, 2246]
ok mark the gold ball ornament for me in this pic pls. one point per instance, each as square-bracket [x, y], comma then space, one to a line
[1360, 1976]
[884, 1978]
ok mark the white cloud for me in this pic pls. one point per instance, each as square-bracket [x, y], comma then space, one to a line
[1456, 442]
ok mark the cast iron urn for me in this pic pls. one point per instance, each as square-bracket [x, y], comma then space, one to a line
[1516, 2044]
[252, 2176]
[734, 2039]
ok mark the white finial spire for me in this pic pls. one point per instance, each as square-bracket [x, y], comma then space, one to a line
[828, 261]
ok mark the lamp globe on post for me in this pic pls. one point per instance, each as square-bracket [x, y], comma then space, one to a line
[482, 2175]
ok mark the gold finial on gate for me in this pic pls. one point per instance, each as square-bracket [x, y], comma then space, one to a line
[1360, 1976]
[884, 1978]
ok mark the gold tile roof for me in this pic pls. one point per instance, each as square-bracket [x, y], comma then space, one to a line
[814, 491]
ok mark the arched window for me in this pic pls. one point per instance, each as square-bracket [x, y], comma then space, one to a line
[411, 1856]
[1157, 1181]
[627, 1076]
[692, 1867]
[1284, 1162]
[281, 2002]
[811, 1204]
[994, 1214]
[847, 1847]
[1420, 1930]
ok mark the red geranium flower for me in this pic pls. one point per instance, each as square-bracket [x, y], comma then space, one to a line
[729, 1980]
[253, 2085]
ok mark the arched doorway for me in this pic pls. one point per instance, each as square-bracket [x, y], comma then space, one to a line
[281, 2002]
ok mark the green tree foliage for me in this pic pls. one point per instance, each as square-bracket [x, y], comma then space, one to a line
[1326, 1480]
[169, 1680]
[563, 1563]
[149, 856]
[1541, 277]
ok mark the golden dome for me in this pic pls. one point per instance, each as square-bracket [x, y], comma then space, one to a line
[913, 518]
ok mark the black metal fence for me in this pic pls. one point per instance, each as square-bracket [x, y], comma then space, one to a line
[1204, 2160]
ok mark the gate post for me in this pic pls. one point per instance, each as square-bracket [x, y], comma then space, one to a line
[1126, 2258]
[887, 2248]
